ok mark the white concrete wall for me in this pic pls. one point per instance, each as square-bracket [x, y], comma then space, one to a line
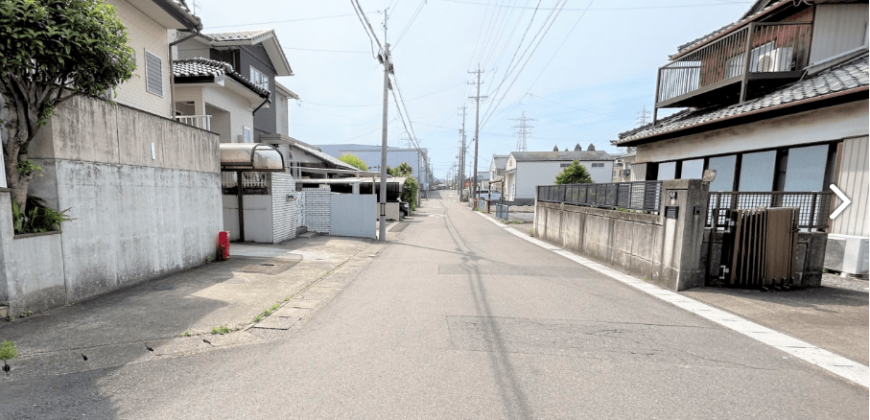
[143, 194]
[828, 124]
[144, 33]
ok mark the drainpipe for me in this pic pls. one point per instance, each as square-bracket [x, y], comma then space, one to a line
[267, 101]
[194, 32]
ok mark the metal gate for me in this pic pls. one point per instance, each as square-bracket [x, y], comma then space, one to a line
[759, 247]
[353, 215]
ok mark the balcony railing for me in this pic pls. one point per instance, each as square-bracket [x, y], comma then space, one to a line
[763, 51]
[198, 121]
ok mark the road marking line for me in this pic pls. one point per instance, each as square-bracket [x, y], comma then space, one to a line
[838, 365]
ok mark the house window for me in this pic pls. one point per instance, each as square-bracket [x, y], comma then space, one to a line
[667, 170]
[153, 73]
[756, 171]
[597, 165]
[724, 167]
[259, 79]
[692, 169]
[564, 165]
[248, 137]
[805, 170]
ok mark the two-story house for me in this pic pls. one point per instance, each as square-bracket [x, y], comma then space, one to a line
[227, 84]
[496, 172]
[775, 102]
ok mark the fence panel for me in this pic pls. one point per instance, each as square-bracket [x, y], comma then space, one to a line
[643, 196]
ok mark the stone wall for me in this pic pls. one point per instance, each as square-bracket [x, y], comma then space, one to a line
[317, 209]
[661, 250]
[143, 194]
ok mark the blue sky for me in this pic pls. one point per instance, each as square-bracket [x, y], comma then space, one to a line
[585, 92]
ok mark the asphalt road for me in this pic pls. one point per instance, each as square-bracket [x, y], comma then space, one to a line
[459, 319]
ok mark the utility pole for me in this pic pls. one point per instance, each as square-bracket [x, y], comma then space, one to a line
[385, 60]
[523, 131]
[476, 136]
[461, 184]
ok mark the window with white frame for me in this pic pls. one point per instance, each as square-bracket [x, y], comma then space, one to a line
[259, 79]
[249, 135]
[153, 73]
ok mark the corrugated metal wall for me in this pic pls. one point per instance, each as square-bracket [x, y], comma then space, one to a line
[853, 181]
[838, 28]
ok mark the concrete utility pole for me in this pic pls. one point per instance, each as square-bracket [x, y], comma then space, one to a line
[461, 183]
[476, 137]
[385, 58]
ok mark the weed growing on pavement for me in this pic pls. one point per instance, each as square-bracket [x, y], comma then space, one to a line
[274, 307]
[26, 314]
[258, 318]
[186, 334]
[220, 330]
[7, 352]
[286, 298]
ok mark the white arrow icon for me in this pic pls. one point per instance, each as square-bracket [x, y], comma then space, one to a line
[846, 202]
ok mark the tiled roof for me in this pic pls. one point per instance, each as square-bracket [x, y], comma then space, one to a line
[239, 35]
[542, 156]
[204, 67]
[725, 28]
[851, 75]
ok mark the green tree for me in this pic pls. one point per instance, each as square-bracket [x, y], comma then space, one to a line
[51, 51]
[354, 160]
[404, 169]
[575, 173]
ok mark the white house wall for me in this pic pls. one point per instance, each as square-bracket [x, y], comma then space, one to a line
[532, 174]
[828, 124]
[143, 33]
[838, 28]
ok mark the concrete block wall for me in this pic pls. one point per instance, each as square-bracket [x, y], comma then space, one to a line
[143, 193]
[286, 208]
[317, 209]
[664, 251]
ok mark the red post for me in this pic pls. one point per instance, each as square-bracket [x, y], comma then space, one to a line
[224, 246]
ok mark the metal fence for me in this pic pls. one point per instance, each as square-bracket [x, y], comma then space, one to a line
[815, 207]
[643, 196]
[502, 211]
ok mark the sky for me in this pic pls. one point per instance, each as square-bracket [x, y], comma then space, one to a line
[582, 70]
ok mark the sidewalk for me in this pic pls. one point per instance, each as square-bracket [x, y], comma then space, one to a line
[176, 314]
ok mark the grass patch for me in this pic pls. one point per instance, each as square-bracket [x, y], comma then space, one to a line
[258, 318]
[287, 299]
[220, 330]
[274, 307]
[8, 350]
[186, 334]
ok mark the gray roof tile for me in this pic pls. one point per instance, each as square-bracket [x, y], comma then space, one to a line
[204, 67]
[543, 156]
[852, 74]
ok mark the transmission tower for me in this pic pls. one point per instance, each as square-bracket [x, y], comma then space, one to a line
[642, 117]
[523, 131]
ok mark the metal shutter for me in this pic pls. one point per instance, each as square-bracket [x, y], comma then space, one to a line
[153, 74]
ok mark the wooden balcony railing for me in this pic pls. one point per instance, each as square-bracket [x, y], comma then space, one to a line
[760, 50]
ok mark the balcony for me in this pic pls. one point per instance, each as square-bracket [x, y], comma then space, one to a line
[738, 66]
[198, 121]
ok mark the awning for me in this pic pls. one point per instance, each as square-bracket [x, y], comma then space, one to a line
[255, 157]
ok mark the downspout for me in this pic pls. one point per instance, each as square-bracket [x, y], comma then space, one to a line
[267, 101]
[195, 31]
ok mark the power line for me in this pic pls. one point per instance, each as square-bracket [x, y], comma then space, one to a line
[609, 8]
[560, 45]
[410, 22]
[332, 51]
[523, 131]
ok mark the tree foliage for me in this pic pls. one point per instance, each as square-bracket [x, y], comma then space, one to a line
[51, 51]
[404, 169]
[354, 160]
[575, 173]
[410, 187]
